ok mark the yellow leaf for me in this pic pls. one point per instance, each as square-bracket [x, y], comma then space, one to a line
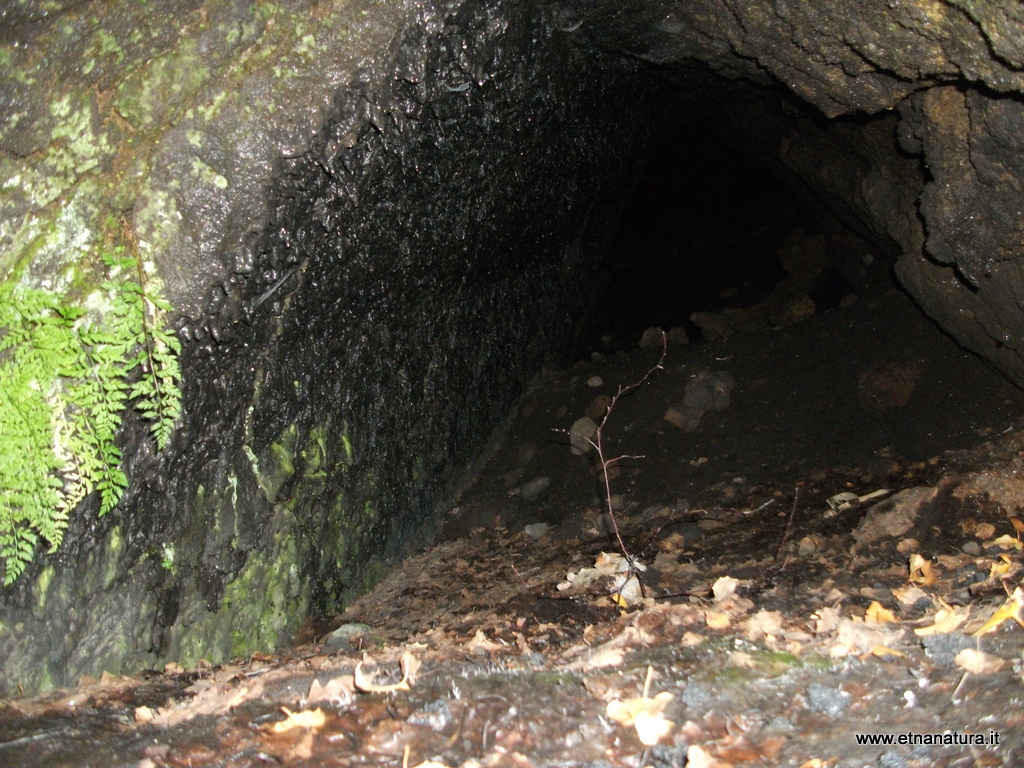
[946, 620]
[1006, 541]
[311, 718]
[879, 614]
[1009, 610]
[921, 571]
[881, 651]
[1001, 567]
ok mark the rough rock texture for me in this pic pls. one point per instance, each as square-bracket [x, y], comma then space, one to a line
[373, 225]
[376, 222]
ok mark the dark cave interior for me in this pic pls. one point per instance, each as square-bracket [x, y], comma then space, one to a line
[711, 209]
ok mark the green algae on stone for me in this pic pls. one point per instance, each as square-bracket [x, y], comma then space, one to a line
[42, 586]
[267, 601]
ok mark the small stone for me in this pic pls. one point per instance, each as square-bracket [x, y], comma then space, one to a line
[526, 452]
[714, 326]
[677, 336]
[350, 637]
[807, 546]
[598, 406]
[972, 548]
[534, 488]
[537, 530]
[581, 431]
[792, 312]
[652, 337]
[943, 649]
[513, 476]
[595, 381]
[827, 700]
[710, 390]
[685, 417]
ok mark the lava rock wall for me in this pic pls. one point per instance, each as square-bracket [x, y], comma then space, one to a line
[375, 222]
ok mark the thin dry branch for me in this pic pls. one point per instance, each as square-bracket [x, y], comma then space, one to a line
[605, 463]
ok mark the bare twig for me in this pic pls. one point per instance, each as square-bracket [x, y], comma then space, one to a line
[789, 525]
[605, 464]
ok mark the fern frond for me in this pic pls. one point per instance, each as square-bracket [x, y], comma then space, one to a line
[64, 386]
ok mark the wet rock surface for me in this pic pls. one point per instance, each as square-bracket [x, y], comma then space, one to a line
[775, 623]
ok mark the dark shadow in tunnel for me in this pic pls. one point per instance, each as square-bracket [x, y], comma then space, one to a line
[702, 229]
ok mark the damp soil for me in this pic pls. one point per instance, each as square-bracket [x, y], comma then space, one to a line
[820, 543]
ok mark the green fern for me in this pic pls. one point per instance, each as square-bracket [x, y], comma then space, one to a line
[65, 382]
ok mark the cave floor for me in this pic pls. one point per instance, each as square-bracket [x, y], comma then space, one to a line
[772, 623]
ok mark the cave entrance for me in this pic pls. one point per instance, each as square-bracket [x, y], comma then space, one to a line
[806, 364]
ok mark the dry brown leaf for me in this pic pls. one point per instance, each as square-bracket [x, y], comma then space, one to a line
[364, 681]
[858, 637]
[979, 662]
[144, 715]
[827, 619]
[741, 749]
[212, 701]
[424, 764]
[310, 718]
[763, 623]
[984, 531]
[645, 714]
[698, 757]
[909, 595]
[480, 644]
[877, 613]
[717, 619]
[952, 562]
[1018, 525]
[724, 586]
[341, 688]
[607, 657]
